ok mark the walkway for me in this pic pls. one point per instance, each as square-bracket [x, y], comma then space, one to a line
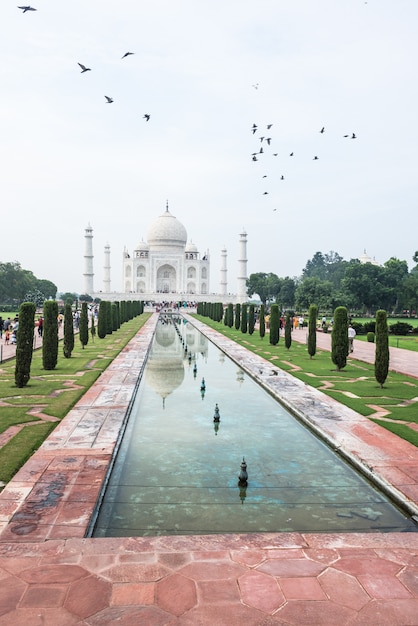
[402, 361]
[50, 574]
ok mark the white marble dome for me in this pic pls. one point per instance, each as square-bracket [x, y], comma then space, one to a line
[142, 246]
[167, 232]
[191, 247]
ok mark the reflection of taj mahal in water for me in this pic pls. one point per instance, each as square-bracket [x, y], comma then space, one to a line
[166, 361]
[165, 266]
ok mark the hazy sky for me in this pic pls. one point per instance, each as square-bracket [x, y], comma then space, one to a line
[206, 71]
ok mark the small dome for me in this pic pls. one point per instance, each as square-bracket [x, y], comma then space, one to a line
[142, 246]
[167, 232]
[191, 247]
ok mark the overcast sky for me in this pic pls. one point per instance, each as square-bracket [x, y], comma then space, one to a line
[206, 71]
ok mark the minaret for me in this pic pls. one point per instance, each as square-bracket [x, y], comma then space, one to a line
[106, 267]
[242, 268]
[224, 281]
[88, 261]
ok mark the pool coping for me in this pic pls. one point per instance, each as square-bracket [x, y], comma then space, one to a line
[54, 495]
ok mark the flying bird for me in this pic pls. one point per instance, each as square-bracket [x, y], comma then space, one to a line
[354, 136]
[322, 129]
[254, 158]
[84, 68]
[281, 177]
[269, 126]
[275, 154]
[265, 193]
[255, 86]
[265, 176]
[268, 140]
[27, 8]
[291, 154]
[127, 54]
[315, 158]
[254, 128]
[109, 100]
[146, 117]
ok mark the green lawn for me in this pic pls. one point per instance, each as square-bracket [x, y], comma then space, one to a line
[53, 392]
[355, 386]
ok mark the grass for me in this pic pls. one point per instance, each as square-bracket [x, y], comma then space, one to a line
[354, 386]
[53, 392]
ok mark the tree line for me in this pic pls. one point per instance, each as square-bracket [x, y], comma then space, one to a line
[243, 318]
[18, 285]
[111, 316]
[330, 281]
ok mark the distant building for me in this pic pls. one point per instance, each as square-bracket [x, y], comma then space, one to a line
[365, 258]
[166, 267]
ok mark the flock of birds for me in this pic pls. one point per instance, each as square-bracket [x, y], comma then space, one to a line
[84, 68]
[266, 141]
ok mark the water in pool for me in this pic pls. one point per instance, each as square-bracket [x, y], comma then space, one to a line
[177, 470]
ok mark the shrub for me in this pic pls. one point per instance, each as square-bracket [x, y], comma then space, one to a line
[24, 346]
[359, 328]
[251, 319]
[84, 325]
[400, 328]
[369, 327]
[50, 335]
[102, 320]
[381, 363]
[68, 343]
[339, 338]
[370, 337]
[313, 315]
[274, 324]
[288, 331]
[262, 322]
[237, 316]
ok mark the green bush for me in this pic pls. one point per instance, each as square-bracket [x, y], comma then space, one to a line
[369, 327]
[370, 337]
[400, 328]
[24, 347]
[339, 338]
[381, 364]
[50, 335]
[359, 328]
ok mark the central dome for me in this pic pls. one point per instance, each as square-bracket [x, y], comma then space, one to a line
[167, 232]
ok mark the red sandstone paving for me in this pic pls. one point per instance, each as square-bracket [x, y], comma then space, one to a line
[49, 576]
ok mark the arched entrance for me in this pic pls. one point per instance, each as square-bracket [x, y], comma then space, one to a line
[166, 279]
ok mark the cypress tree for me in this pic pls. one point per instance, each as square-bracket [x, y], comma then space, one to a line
[339, 338]
[262, 322]
[84, 325]
[274, 324]
[381, 363]
[109, 324]
[237, 316]
[50, 335]
[244, 318]
[24, 343]
[92, 328]
[313, 315]
[230, 315]
[251, 319]
[68, 343]
[114, 311]
[102, 320]
[288, 331]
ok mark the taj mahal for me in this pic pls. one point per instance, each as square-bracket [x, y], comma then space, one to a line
[165, 267]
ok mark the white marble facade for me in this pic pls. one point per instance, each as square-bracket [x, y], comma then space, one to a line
[166, 263]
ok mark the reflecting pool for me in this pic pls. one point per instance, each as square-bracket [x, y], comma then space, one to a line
[176, 471]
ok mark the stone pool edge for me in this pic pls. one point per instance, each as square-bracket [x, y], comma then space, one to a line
[54, 495]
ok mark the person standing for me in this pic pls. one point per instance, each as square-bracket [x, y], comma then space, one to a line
[351, 335]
